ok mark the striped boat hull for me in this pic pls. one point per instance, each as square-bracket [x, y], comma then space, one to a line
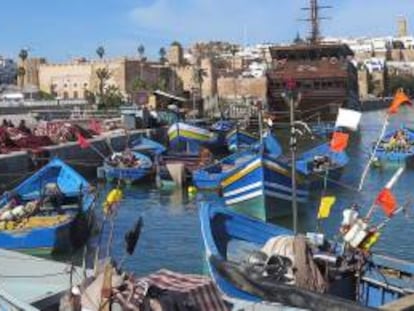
[262, 188]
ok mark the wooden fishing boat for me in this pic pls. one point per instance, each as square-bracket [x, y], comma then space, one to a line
[230, 237]
[147, 146]
[396, 146]
[192, 138]
[262, 188]
[48, 211]
[239, 140]
[209, 177]
[128, 166]
[222, 126]
[321, 164]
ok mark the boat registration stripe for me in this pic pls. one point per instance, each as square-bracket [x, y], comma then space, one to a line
[243, 172]
[242, 189]
[284, 188]
[277, 168]
[286, 197]
[245, 197]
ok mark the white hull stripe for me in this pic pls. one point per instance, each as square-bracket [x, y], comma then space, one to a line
[245, 197]
[242, 189]
[286, 197]
[285, 188]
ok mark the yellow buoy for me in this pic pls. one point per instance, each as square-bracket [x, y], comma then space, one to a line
[192, 190]
[113, 197]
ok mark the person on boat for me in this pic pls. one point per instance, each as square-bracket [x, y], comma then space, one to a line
[10, 123]
[13, 200]
[349, 217]
[5, 124]
[206, 156]
[54, 196]
[22, 127]
[401, 140]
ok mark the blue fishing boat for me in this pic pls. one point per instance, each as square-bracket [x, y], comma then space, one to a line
[129, 166]
[47, 212]
[262, 186]
[192, 138]
[147, 146]
[396, 146]
[222, 126]
[321, 164]
[233, 243]
[238, 140]
[210, 177]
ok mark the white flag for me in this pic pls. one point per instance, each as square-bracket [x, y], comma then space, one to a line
[348, 118]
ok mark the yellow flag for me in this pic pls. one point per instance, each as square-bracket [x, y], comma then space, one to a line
[325, 207]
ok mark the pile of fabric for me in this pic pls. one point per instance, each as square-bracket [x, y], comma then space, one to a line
[68, 132]
[13, 139]
[161, 291]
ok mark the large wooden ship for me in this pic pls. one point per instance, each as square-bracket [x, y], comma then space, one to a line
[323, 73]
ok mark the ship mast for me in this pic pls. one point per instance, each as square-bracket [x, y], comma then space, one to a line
[314, 19]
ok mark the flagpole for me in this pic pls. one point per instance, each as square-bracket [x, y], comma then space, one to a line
[293, 165]
[374, 151]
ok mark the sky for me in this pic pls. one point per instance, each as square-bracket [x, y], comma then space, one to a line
[64, 29]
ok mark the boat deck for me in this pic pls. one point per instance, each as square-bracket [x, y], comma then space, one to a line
[32, 283]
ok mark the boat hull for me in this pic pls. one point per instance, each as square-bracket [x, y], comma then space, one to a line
[222, 228]
[262, 188]
[63, 229]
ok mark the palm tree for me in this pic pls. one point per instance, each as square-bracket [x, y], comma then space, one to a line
[162, 52]
[100, 51]
[103, 75]
[141, 51]
[20, 73]
[23, 55]
[198, 79]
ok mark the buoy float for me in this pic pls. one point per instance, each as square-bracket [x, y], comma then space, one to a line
[113, 197]
[192, 190]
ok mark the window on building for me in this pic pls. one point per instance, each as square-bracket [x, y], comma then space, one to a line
[65, 95]
[317, 85]
[65, 85]
[75, 95]
[85, 85]
[75, 85]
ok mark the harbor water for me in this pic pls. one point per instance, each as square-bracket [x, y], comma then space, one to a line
[171, 236]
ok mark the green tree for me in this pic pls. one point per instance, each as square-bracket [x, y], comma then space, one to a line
[21, 71]
[113, 97]
[45, 96]
[103, 75]
[100, 51]
[141, 51]
[162, 52]
[139, 85]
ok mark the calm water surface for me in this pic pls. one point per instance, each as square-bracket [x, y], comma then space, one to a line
[171, 234]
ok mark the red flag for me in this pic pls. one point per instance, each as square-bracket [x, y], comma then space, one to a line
[387, 201]
[83, 143]
[399, 98]
[339, 141]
